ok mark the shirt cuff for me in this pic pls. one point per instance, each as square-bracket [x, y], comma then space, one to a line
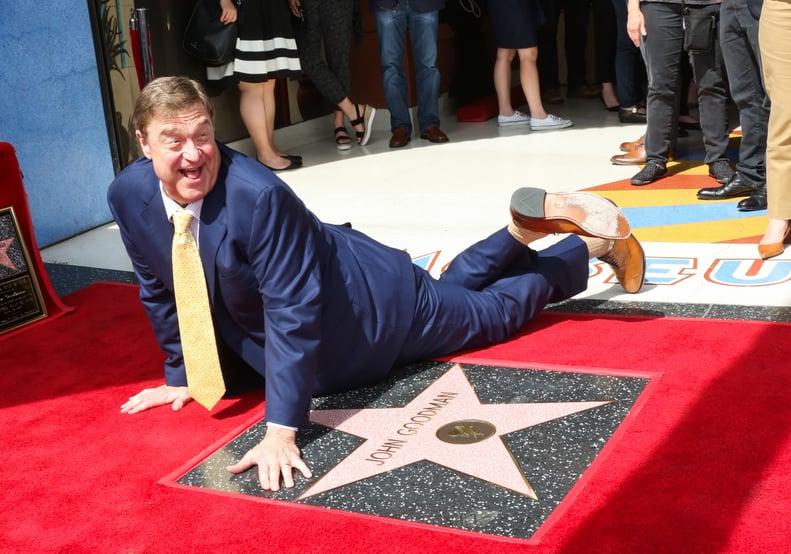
[270, 424]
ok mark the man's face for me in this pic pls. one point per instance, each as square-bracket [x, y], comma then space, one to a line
[184, 154]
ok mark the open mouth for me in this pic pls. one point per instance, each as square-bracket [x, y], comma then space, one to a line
[192, 173]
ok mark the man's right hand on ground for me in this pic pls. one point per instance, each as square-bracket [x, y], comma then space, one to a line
[177, 397]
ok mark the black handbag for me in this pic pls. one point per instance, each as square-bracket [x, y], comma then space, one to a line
[206, 37]
[699, 30]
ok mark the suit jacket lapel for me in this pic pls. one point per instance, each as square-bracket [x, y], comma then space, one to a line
[213, 226]
[157, 225]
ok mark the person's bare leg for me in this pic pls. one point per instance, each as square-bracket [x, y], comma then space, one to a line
[776, 231]
[609, 96]
[349, 109]
[253, 106]
[343, 140]
[528, 77]
[269, 106]
[502, 80]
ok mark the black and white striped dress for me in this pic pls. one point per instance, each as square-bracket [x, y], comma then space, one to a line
[265, 45]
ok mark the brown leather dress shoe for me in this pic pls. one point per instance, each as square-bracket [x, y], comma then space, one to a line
[627, 259]
[552, 96]
[633, 157]
[629, 146]
[434, 134]
[400, 138]
[584, 91]
[581, 213]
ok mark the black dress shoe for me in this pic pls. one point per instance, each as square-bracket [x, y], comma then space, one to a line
[631, 115]
[650, 173]
[734, 188]
[755, 202]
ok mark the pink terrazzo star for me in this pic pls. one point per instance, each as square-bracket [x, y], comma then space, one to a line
[445, 424]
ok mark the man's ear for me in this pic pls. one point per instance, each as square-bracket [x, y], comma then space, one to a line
[143, 144]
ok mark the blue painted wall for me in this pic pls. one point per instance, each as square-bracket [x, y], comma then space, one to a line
[51, 112]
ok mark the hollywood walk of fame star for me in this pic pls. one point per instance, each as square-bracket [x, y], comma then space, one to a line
[5, 261]
[446, 424]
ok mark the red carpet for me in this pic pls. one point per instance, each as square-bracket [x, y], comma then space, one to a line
[703, 467]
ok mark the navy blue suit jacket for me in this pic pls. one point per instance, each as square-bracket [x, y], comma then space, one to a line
[312, 307]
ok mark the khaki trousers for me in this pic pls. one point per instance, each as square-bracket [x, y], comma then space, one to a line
[774, 38]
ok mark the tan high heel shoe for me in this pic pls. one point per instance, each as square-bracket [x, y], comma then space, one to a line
[773, 249]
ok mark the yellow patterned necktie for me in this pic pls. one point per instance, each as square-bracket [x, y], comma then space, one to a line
[198, 342]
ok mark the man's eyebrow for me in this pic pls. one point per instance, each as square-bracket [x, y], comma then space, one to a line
[167, 131]
[170, 130]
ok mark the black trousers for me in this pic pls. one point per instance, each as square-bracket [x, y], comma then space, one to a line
[739, 41]
[330, 22]
[663, 46]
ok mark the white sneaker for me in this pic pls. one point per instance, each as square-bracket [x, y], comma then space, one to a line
[549, 122]
[509, 120]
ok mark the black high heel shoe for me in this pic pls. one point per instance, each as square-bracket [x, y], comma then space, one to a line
[614, 108]
[294, 164]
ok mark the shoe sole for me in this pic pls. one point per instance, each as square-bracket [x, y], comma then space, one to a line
[440, 141]
[744, 194]
[626, 162]
[513, 123]
[551, 127]
[581, 213]
[368, 121]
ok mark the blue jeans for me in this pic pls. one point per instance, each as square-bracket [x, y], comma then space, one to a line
[628, 61]
[423, 29]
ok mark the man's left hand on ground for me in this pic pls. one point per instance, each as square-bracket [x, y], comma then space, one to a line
[276, 456]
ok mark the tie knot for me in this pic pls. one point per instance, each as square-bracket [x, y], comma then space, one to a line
[181, 221]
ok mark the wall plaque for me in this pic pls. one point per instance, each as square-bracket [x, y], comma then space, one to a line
[20, 296]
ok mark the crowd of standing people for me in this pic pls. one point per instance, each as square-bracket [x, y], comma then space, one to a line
[645, 69]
